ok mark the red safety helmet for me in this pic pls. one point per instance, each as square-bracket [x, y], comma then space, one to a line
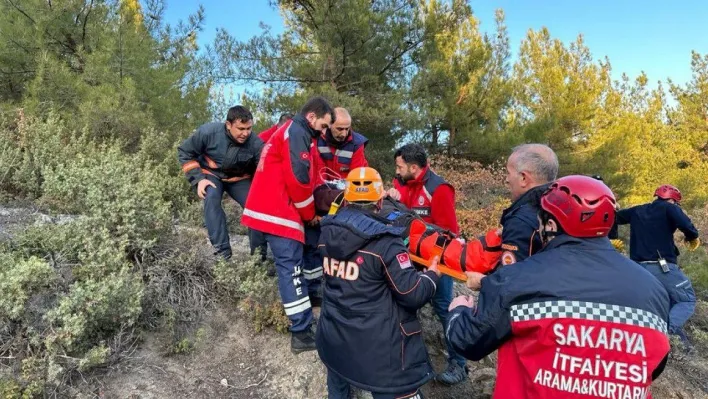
[668, 192]
[584, 207]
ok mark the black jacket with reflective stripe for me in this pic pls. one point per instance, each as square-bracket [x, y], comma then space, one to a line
[217, 153]
[368, 331]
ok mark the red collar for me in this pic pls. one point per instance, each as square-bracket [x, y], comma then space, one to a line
[418, 180]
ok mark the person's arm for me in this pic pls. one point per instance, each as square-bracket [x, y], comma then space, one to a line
[410, 288]
[298, 171]
[683, 222]
[518, 236]
[258, 148]
[624, 216]
[359, 159]
[476, 332]
[188, 152]
[442, 209]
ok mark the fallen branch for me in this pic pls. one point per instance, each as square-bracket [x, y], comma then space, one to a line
[247, 386]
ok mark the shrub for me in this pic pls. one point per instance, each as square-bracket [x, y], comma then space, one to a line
[63, 310]
[244, 281]
[110, 188]
[480, 192]
[179, 288]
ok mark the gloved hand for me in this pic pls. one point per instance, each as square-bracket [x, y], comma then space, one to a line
[694, 244]
[618, 244]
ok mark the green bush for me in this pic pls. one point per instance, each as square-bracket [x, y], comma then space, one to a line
[20, 279]
[695, 265]
[244, 281]
[110, 188]
[179, 289]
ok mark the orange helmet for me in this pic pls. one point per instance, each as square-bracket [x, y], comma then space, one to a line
[363, 185]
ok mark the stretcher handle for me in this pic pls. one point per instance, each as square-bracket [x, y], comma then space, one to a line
[443, 269]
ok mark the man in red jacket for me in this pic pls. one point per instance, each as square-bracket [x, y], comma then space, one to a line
[266, 134]
[280, 203]
[341, 148]
[432, 198]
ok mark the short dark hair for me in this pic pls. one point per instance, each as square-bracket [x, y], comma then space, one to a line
[413, 153]
[239, 113]
[319, 105]
[284, 118]
[545, 216]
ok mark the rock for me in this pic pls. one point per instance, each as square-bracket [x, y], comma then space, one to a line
[224, 382]
[43, 219]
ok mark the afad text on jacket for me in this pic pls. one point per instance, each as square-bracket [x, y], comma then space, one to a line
[368, 332]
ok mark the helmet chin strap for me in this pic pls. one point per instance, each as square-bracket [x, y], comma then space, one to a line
[546, 236]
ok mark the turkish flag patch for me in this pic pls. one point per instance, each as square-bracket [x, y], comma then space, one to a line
[359, 260]
[304, 155]
[404, 260]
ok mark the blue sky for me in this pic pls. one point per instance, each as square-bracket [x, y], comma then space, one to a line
[651, 36]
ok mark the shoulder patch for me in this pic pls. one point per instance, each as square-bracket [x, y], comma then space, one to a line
[508, 258]
[510, 247]
[304, 155]
[404, 260]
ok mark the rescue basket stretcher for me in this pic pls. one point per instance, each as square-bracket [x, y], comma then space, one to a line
[456, 255]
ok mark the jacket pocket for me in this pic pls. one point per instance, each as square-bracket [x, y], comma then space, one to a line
[413, 351]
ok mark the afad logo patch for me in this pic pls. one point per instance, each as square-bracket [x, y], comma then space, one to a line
[404, 260]
[508, 258]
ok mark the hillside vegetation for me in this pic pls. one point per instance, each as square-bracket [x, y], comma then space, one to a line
[95, 96]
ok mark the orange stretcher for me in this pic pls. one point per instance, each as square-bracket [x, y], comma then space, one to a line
[456, 256]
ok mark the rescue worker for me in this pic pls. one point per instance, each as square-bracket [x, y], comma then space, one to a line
[368, 334]
[220, 157]
[265, 136]
[281, 203]
[433, 199]
[341, 149]
[651, 243]
[565, 321]
[268, 133]
[529, 169]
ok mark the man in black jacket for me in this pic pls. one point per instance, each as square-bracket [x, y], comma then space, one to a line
[220, 157]
[651, 244]
[368, 334]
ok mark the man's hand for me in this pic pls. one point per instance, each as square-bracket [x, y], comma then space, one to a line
[618, 244]
[315, 221]
[694, 244]
[434, 266]
[474, 280]
[393, 193]
[462, 301]
[202, 186]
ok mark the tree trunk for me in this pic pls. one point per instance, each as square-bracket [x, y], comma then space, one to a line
[451, 140]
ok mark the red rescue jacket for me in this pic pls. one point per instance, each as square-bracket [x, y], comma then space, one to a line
[431, 197]
[268, 133]
[281, 198]
[577, 320]
[338, 159]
